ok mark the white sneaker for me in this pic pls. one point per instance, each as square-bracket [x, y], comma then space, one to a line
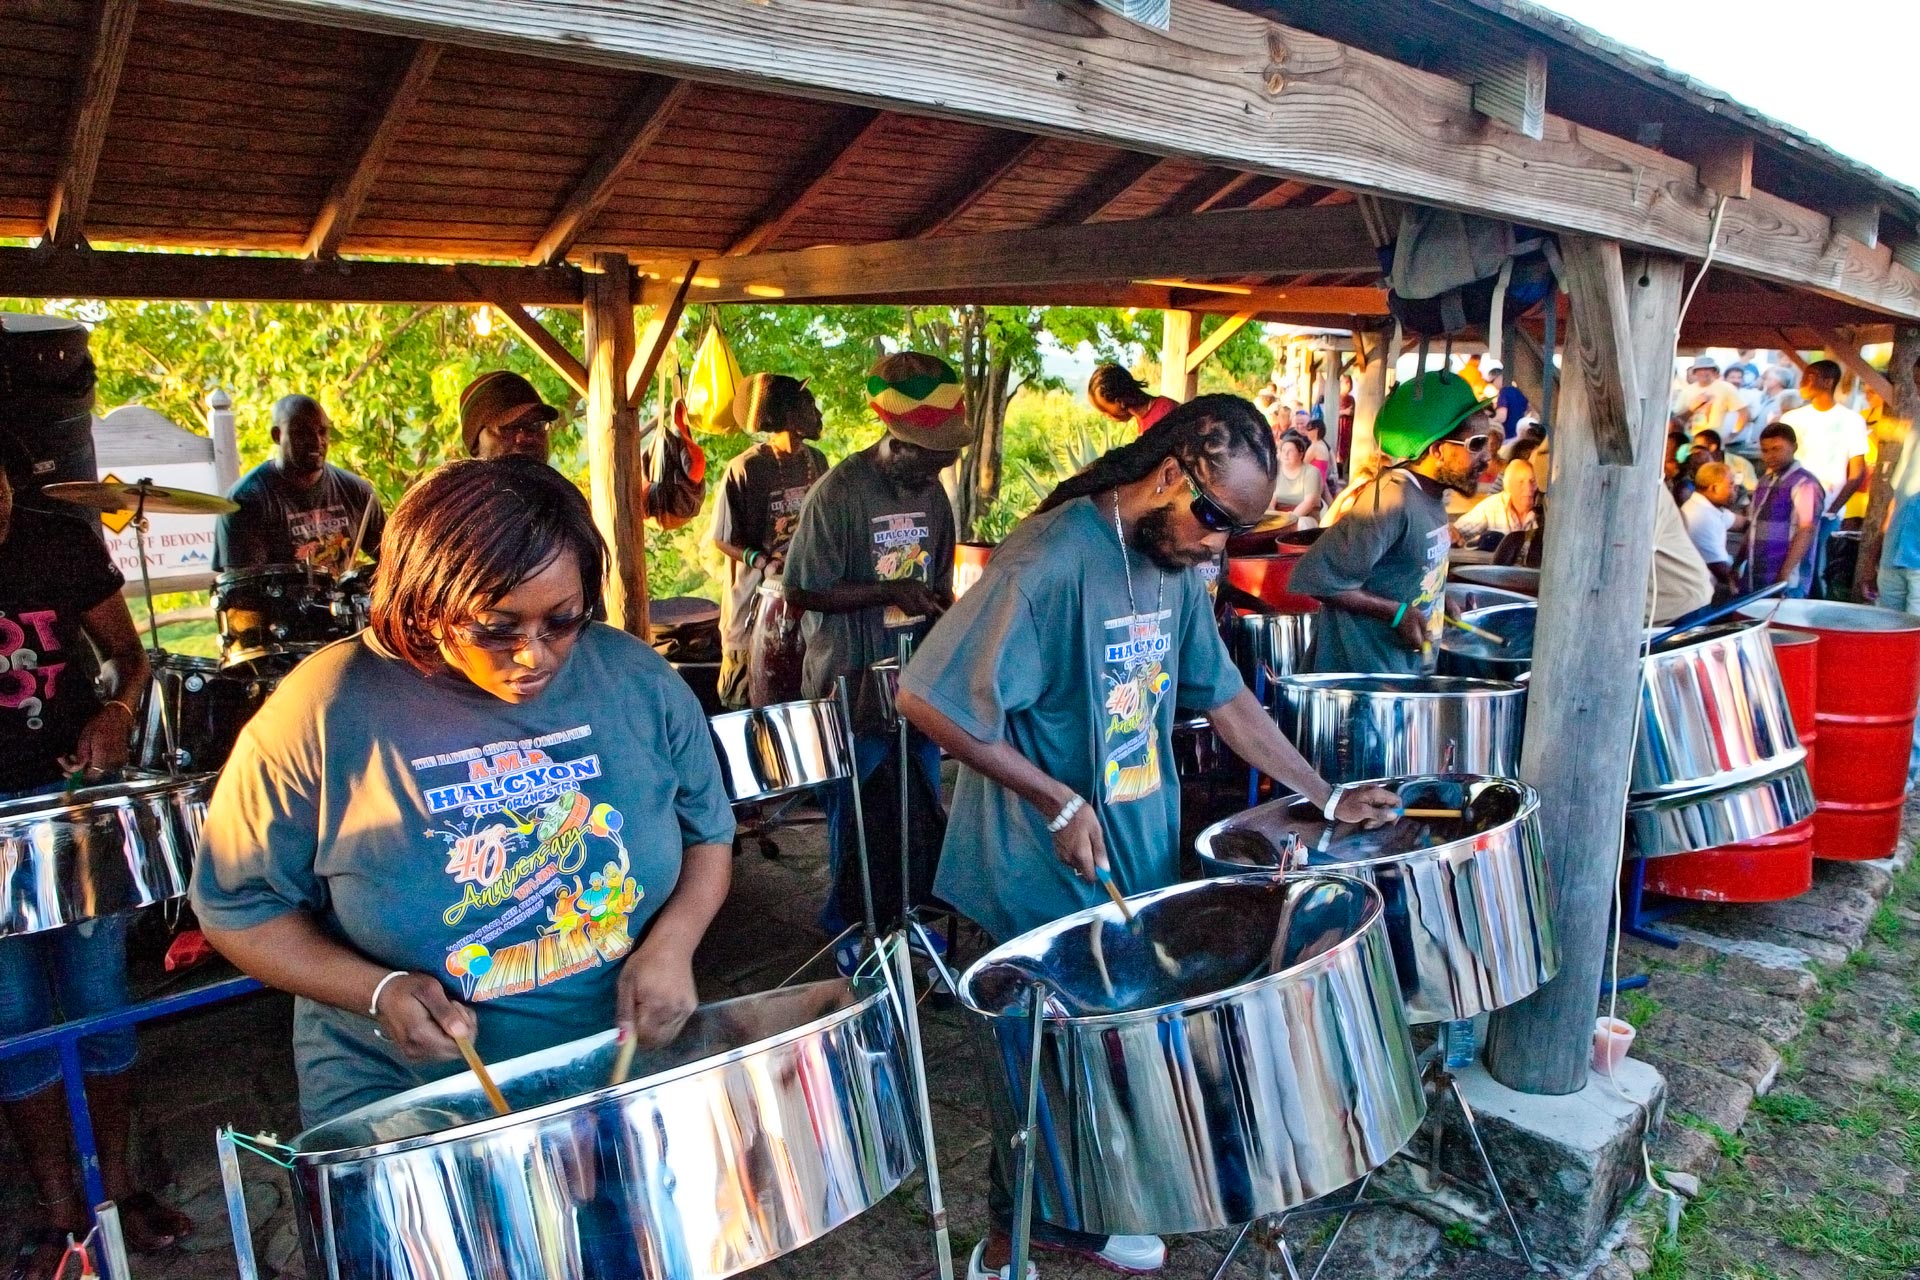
[1129, 1255]
[977, 1269]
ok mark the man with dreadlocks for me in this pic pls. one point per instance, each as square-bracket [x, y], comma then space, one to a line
[1054, 681]
[1380, 574]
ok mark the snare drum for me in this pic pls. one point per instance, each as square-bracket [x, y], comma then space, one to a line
[276, 609]
[774, 657]
[198, 708]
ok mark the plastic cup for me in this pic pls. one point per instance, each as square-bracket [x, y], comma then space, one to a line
[1612, 1037]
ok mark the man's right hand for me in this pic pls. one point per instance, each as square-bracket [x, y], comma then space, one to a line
[421, 1020]
[1413, 628]
[915, 598]
[1080, 845]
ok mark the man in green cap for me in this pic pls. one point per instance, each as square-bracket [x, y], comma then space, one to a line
[1380, 574]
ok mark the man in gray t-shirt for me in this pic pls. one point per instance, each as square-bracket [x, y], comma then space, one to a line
[1054, 681]
[1380, 572]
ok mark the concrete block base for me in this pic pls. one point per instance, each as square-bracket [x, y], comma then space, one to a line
[1568, 1164]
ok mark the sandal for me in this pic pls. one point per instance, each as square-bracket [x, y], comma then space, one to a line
[42, 1250]
[150, 1224]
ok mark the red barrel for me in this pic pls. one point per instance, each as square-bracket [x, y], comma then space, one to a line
[1267, 577]
[1773, 867]
[1868, 686]
[969, 562]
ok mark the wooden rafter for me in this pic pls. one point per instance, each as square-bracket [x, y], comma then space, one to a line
[1847, 352]
[828, 161]
[1236, 187]
[656, 338]
[645, 119]
[1199, 194]
[99, 80]
[549, 348]
[1218, 338]
[350, 190]
[1267, 241]
[973, 186]
[1100, 194]
[33, 273]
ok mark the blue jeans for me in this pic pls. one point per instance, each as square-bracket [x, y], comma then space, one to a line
[869, 749]
[72, 972]
[1900, 589]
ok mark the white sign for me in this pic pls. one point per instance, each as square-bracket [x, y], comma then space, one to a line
[179, 548]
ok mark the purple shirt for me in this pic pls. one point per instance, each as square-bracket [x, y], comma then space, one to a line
[1782, 503]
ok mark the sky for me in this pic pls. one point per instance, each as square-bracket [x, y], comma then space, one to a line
[1822, 68]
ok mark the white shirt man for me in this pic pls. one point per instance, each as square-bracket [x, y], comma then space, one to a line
[1833, 438]
[1708, 517]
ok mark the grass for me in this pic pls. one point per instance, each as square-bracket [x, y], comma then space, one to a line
[1790, 1108]
[1639, 1008]
[1461, 1235]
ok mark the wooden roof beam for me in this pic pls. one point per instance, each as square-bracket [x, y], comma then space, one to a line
[829, 160]
[99, 80]
[350, 190]
[1264, 241]
[1100, 194]
[1218, 338]
[1203, 192]
[549, 348]
[974, 185]
[1847, 353]
[36, 273]
[645, 120]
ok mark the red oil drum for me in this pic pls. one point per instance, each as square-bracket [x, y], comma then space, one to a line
[1267, 576]
[1772, 868]
[1868, 685]
[969, 562]
[775, 652]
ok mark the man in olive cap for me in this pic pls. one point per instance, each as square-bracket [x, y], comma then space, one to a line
[501, 415]
[1380, 574]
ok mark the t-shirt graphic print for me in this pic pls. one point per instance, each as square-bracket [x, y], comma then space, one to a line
[1136, 680]
[899, 546]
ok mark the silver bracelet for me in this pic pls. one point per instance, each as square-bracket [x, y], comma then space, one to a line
[1067, 810]
[373, 1005]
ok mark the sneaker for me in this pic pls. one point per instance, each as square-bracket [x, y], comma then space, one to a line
[919, 948]
[977, 1269]
[848, 954]
[1129, 1255]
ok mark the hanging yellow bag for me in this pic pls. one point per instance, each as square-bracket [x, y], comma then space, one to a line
[712, 383]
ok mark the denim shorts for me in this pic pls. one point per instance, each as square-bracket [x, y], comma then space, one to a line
[67, 973]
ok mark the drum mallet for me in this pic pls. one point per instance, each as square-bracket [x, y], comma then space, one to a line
[1491, 637]
[480, 1073]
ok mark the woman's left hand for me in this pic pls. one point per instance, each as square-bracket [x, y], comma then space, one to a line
[103, 744]
[656, 994]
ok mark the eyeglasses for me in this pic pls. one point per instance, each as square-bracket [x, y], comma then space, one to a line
[1472, 444]
[512, 639]
[523, 427]
[1208, 511]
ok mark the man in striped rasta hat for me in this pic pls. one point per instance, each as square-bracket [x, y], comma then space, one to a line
[872, 559]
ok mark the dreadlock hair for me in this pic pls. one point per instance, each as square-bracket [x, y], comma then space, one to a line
[1202, 433]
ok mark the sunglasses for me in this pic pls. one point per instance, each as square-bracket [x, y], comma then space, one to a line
[512, 639]
[1212, 516]
[1472, 444]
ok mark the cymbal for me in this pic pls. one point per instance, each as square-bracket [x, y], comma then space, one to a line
[103, 496]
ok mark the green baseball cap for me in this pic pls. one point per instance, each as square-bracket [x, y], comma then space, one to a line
[1423, 410]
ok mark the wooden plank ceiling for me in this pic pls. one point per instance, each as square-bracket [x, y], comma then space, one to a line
[226, 131]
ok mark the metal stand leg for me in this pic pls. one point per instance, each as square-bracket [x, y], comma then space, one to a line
[910, 1020]
[1639, 917]
[859, 814]
[1028, 1137]
[236, 1204]
[81, 1117]
[1447, 1079]
[1359, 1195]
[113, 1242]
[1233, 1251]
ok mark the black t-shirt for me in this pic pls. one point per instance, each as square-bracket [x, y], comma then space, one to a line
[281, 523]
[53, 569]
[760, 498]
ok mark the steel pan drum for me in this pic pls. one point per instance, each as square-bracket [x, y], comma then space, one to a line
[771, 1120]
[1507, 577]
[1694, 821]
[1355, 727]
[1713, 712]
[274, 610]
[776, 648]
[1465, 597]
[1277, 643]
[78, 855]
[768, 751]
[1275, 1068]
[1468, 900]
[1464, 654]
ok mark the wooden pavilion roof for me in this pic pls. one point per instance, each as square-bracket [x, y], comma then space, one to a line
[331, 131]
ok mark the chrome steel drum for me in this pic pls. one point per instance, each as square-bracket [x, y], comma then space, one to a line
[1355, 727]
[771, 1120]
[769, 750]
[1507, 577]
[274, 610]
[1276, 1067]
[775, 648]
[79, 855]
[1464, 597]
[1464, 654]
[1694, 821]
[196, 710]
[1276, 643]
[883, 684]
[1713, 712]
[1469, 902]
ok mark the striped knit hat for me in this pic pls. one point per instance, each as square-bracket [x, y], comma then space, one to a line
[920, 399]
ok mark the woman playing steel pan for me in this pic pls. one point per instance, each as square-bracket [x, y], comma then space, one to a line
[487, 815]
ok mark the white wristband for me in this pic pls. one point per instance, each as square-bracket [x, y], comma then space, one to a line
[1067, 810]
[1333, 802]
[373, 1005]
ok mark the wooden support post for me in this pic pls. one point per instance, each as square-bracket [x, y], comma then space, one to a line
[103, 59]
[1180, 331]
[1895, 437]
[613, 440]
[1583, 709]
[1217, 339]
[1846, 352]
[1526, 369]
[550, 348]
[1369, 392]
[1330, 397]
